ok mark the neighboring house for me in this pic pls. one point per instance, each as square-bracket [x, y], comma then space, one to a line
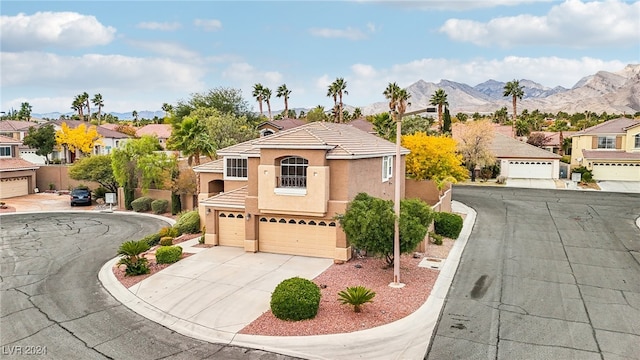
[363, 125]
[17, 176]
[611, 150]
[554, 140]
[110, 140]
[519, 160]
[273, 126]
[281, 193]
[161, 131]
[15, 129]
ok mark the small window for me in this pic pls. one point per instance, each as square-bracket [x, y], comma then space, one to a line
[231, 216]
[292, 221]
[332, 224]
[240, 216]
[282, 221]
[263, 219]
[222, 215]
[387, 168]
[637, 141]
[235, 168]
[273, 220]
[312, 222]
[5, 151]
[302, 222]
[322, 223]
[606, 142]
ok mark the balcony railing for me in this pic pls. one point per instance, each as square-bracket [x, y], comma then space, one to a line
[292, 181]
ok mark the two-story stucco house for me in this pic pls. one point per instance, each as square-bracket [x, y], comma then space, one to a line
[281, 193]
[17, 176]
[611, 150]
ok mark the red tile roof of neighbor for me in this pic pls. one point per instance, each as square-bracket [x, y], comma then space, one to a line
[162, 131]
[615, 126]
[109, 126]
[610, 155]
[11, 164]
[14, 125]
[283, 124]
[553, 138]
[363, 125]
[103, 131]
[9, 140]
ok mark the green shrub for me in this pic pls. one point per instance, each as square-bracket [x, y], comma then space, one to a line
[128, 197]
[435, 238]
[168, 254]
[448, 225]
[587, 176]
[159, 206]
[176, 205]
[131, 257]
[152, 239]
[356, 296]
[202, 237]
[141, 204]
[295, 299]
[566, 159]
[166, 241]
[99, 192]
[188, 223]
[168, 231]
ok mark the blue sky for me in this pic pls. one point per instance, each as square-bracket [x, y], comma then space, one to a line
[141, 54]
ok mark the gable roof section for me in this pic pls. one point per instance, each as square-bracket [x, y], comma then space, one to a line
[215, 166]
[5, 140]
[282, 124]
[505, 147]
[341, 141]
[233, 199]
[610, 155]
[16, 126]
[611, 127]
[363, 125]
[13, 164]
[162, 131]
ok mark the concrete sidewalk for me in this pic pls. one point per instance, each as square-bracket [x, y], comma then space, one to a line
[218, 291]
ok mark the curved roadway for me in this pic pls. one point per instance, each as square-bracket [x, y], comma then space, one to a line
[545, 274]
[53, 305]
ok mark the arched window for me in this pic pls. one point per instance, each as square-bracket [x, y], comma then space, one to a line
[293, 172]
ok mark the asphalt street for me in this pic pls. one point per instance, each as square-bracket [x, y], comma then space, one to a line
[53, 306]
[546, 274]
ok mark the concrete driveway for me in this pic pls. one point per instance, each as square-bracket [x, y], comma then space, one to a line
[620, 186]
[531, 183]
[42, 202]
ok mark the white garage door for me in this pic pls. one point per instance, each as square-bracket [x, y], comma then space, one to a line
[231, 229]
[304, 237]
[527, 169]
[14, 187]
[616, 171]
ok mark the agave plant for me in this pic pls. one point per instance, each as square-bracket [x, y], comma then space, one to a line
[130, 251]
[356, 296]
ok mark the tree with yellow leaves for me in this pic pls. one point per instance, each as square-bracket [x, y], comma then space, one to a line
[433, 158]
[81, 139]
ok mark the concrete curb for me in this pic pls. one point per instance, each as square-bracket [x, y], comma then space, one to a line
[404, 339]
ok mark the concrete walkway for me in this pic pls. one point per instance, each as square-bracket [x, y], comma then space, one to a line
[215, 293]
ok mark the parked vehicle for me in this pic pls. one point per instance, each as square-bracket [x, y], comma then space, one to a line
[80, 196]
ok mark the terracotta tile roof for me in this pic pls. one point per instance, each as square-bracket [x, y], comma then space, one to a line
[506, 147]
[610, 155]
[363, 125]
[103, 131]
[215, 166]
[12, 164]
[14, 125]
[553, 138]
[109, 126]
[162, 131]
[234, 199]
[282, 124]
[9, 140]
[341, 141]
[615, 126]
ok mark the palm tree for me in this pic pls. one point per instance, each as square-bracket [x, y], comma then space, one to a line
[258, 93]
[283, 92]
[97, 101]
[266, 96]
[340, 87]
[402, 98]
[439, 99]
[357, 112]
[390, 93]
[78, 105]
[85, 98]
[192, 139]
[167, 108]
[134, 113]
[333, 92]
[513, 89]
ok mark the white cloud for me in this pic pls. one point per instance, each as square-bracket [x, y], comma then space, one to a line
[163, 26]
[58, 29]
[348, 33]
[573, 24]
[208, 25]
[363, 70]
[165, 48]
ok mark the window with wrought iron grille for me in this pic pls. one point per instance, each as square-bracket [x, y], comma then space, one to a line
[293, 172]
[606, 142]
[236, 168]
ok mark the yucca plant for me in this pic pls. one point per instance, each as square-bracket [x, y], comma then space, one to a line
[356, 296]
[130, 251]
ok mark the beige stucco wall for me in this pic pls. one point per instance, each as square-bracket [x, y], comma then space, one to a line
[311, 201]
[365, 175]
[58, 175]
[630, 139]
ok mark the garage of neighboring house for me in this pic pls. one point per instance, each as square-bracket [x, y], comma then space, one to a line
[12, 187]
[305, 237]
[530, 169]
[622, 171]
[231, 228]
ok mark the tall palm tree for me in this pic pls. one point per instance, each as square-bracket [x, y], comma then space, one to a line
[258, 94]
[391, 94]
[97, 101]
[357, 112]
[439, 99]
[191, 138]
[341, 89]
[167, 108]
[78, 105]
[85, 98]
[283, 92]
[134, 113]
[402, 97]
[332, 91]
[266, 96]
[515, 90]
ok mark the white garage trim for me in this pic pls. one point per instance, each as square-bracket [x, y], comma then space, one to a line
[231, 229]
[12, 187]
[530, 169]
[306, 237]
[616, 171]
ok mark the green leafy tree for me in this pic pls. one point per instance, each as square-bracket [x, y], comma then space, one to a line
[515, 90]
[95, 168]
[462, 117]
[227, 129]
[500, 116]
[357, 113]
[384, 126]
[439, 99]
[369, 224]
[446, 122]
[225, 100]
[284, 93]
[316, 114]
[25, 111]
[43, 139]
[191, 137]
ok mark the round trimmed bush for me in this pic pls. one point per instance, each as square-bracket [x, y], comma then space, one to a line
[448, 225]
[141, 204]
[295, 299]
[166, 241]
[168, 254]
[159, 206]
[152, 239]
[188, 223]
